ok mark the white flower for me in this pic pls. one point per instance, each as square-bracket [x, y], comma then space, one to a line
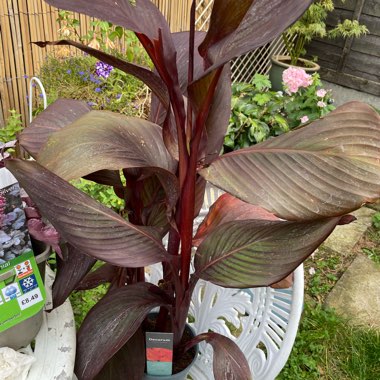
[321, 93]
[304, 119]
[312, 271]
[321, 104]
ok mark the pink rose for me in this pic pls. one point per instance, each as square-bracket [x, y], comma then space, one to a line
[321, 104]
[304, 119]
[294, 78]
[321, 93]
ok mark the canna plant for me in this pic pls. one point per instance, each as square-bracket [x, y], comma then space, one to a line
[283, 196]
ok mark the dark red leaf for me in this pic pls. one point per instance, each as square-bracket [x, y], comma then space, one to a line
[111, 323]
[128, 362]
[69, 273]
[56, 116]
[254, 253]
[89, 226]
[107, 273]
[226, 209]
[228, 360]
[264, 21]
[328, 168]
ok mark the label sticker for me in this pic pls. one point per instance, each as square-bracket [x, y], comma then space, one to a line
[159, 353]
[29, 299]
[28, 283]
[24, 269]
[11, 292]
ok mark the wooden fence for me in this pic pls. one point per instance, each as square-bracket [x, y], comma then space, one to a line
[352, 62]
[24, 21]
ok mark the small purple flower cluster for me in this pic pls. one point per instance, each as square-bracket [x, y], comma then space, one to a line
[103, 70]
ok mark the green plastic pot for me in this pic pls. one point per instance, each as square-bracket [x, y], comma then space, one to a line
[24, 332]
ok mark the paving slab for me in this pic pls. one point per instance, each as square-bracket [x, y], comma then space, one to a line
[344, 238]
[356, 295]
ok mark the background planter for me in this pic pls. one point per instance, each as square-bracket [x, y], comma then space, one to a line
[282, 62]
[23, 333]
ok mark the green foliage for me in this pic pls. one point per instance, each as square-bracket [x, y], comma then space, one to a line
[328, 348]
[75, 78]
[12, 128]
[313, 24]
[102, 193]
[376, 220]
[258, 112]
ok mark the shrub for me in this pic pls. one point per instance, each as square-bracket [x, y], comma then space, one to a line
[258, 112]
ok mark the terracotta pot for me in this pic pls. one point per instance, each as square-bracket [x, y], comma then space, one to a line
[282, 62]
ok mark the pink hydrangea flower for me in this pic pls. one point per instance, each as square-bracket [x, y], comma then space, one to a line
[294, 78]
[321, 104]
[321, 93]
[304, 119]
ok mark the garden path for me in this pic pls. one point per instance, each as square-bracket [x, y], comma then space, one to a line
[356, 295]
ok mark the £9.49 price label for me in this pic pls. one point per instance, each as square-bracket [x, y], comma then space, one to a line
[29, 299]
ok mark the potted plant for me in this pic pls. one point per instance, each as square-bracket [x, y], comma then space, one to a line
[311, 25]
[310, 178]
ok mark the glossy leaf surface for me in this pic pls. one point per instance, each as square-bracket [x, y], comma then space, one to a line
[263, 21]
[328, 168]
[228, 360]
[69, 274]
[90, 227]
[128, 362]
[253, 253]
[226, 209]
[56, 116]
[111, 323]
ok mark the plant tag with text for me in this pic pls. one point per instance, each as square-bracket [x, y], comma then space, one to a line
[159, 353]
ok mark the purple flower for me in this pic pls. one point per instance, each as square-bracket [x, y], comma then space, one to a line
[81, 73]
[41, 95]
[91, 104]
[103, 70]
[25, 76]
[98, 89]
[118, 96]
[68, 71]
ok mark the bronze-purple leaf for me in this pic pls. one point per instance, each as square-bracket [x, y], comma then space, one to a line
[328, 168]
[229, 361]
[105, 140]
[247, 29]
[111, 323]
[57, 115]
[69, 273]
[128, 362]
[254, 253]
[89, 226]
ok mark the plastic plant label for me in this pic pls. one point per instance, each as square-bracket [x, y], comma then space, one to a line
[22, 292]
[159, 353]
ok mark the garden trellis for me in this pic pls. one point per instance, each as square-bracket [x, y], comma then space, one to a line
[24, 21]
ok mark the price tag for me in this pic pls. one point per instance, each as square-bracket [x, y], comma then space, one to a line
[29, 299]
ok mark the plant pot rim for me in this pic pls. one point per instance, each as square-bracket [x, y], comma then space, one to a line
[278, 59]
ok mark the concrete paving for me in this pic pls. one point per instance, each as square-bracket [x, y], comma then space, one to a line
[356, 295]
[343, 95]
